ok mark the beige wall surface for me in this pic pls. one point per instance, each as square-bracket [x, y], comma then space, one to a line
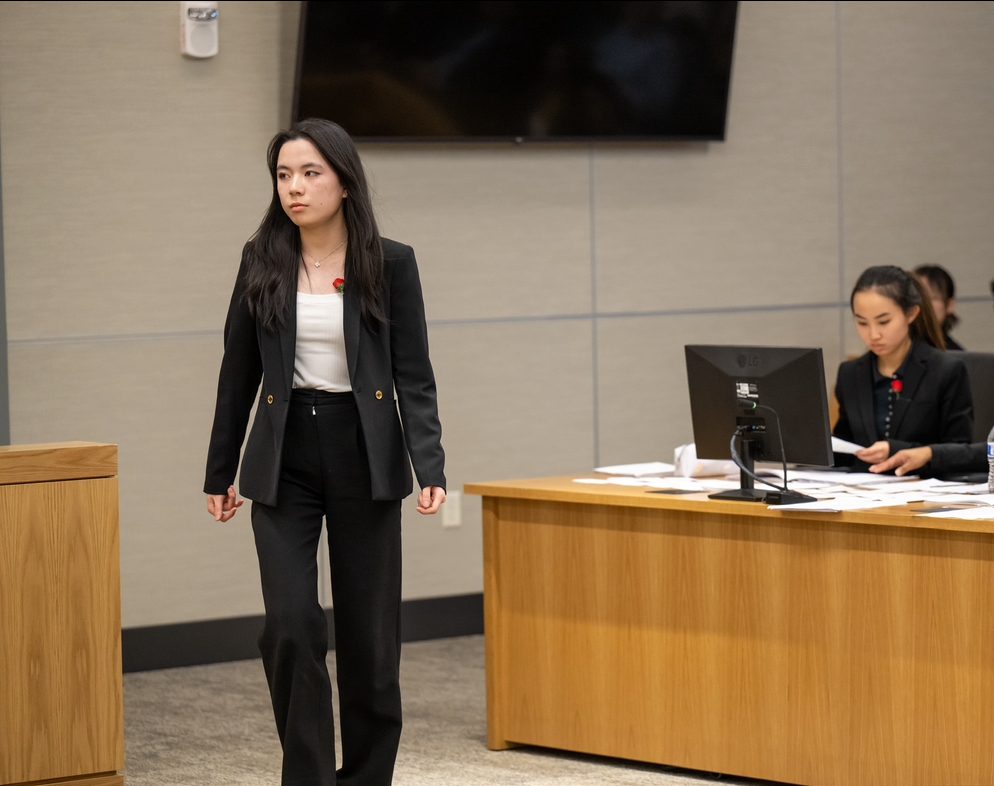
[561, 282]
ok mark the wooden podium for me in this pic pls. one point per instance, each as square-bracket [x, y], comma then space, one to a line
[61, 689]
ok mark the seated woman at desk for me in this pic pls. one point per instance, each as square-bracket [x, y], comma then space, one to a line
[905, 391]
[937, 459]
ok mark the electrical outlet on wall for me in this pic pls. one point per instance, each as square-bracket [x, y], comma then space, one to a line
[452, 509]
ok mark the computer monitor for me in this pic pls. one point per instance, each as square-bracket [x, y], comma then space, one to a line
[753, 404]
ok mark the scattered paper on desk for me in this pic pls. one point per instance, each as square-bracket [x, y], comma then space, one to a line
[637, 470]
[864, 478]
[687, 465]
[648, 482]
[621, 480]
[676, 484]
[903, 484]
[968, 499]
[976, 513]
[834, 476]
[888, 495]
[841, 446]
[669, 483]
[970, 488]
[836, 504]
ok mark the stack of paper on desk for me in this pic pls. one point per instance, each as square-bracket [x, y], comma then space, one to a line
[835, 491]
[638, 470]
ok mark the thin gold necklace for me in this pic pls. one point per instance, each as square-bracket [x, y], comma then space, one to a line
[317, 263]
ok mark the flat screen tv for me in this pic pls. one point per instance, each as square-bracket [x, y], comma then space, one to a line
[519, 71]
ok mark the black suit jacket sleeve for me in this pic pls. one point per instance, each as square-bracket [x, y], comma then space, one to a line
[414, 379]
[958, 458]
[238, 382]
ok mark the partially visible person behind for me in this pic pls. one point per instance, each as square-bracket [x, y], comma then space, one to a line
[905, 391]
[941, 291]
[936, 459]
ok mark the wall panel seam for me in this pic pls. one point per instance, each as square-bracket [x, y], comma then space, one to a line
[839, 177]
[456, 322]
[594, 366]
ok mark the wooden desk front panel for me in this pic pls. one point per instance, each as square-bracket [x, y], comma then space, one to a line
[61, 695]
[798, 650]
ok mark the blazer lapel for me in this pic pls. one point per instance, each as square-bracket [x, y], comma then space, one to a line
[351, 328]
[864, 397]
[288, 344]
[913, 376]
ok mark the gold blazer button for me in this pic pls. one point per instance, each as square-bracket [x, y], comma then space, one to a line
[269, 399]
[379, 394]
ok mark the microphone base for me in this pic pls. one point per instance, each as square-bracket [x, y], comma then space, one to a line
[787, 498]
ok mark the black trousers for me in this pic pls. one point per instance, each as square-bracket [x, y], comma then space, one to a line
[325, 475]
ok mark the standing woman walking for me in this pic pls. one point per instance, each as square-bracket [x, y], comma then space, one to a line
[329, 317]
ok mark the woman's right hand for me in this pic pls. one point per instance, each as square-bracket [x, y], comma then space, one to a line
[874, 454]
[223, 506]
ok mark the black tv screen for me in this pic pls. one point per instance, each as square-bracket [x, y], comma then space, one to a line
[529, 70]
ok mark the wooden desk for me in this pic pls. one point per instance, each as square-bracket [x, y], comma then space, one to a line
[61, 696]
[853, 648]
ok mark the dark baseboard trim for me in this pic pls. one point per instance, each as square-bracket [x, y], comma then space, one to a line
[223, 640]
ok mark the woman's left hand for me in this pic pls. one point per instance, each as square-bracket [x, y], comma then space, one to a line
[874, 454]
[905, 461]
[430, 500]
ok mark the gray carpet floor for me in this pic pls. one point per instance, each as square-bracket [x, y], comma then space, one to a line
[213, 726]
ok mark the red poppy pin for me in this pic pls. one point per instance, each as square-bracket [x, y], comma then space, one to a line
[339, 285]
[896, 386]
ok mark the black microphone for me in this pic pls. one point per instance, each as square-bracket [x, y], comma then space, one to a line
[782, 496]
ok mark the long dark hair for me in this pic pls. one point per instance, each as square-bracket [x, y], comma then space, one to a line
[905, 290]
[942, 283]
[274, 250]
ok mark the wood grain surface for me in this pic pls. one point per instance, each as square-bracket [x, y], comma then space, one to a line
[803, 649]
[61, 696]
[56, 461]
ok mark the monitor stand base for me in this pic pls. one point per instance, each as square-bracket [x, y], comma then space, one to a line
[771, 497]
[741, 495]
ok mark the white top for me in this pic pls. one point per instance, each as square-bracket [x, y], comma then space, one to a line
[320, 361]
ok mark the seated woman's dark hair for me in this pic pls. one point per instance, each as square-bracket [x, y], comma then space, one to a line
[941, 282]
[904, 289]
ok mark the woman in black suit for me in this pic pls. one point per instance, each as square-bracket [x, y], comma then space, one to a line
[329, 317]
[905, 391]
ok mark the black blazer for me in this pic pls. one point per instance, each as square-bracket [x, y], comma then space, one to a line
[935, 405]
[392, 358]
[959, 458]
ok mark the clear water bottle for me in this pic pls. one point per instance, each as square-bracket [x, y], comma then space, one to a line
[990, 462]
